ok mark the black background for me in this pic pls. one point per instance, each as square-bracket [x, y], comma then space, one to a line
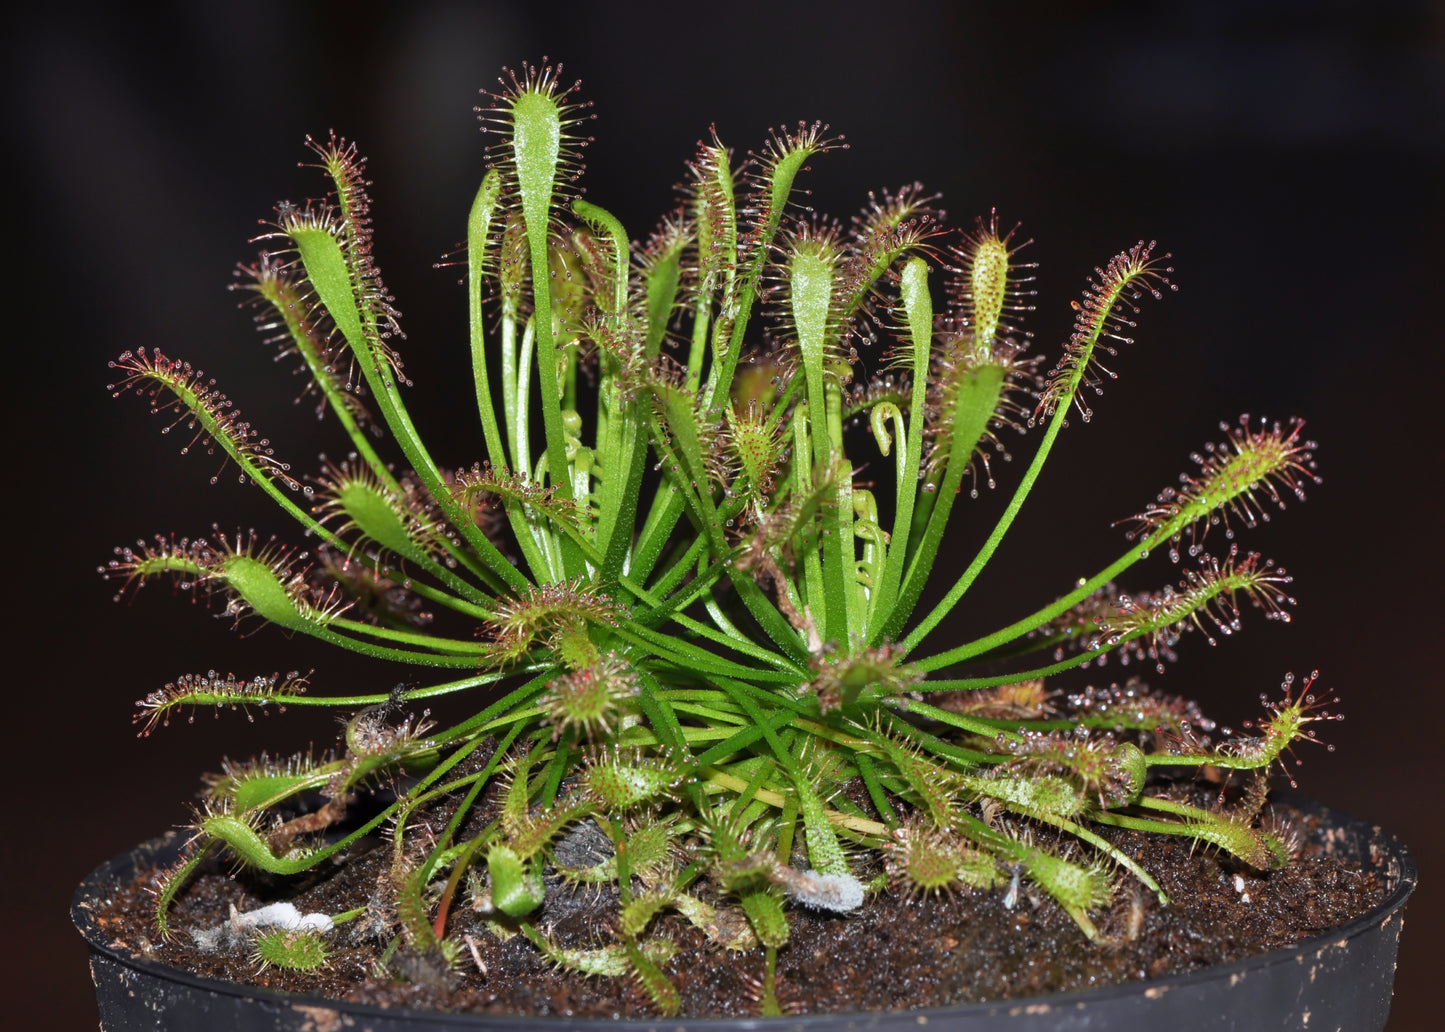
[1289, 154]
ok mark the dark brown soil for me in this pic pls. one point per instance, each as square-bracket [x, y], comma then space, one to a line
[893, 953]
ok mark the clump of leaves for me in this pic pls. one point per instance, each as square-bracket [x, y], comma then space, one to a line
[691, 625]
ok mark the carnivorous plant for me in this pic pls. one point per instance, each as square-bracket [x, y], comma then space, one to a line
[682, 580]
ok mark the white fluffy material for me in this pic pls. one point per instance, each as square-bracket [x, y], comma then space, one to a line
[281, 915]
[837, 892]
[232, 934]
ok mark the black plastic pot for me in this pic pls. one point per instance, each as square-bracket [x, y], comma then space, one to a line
[1342, 980]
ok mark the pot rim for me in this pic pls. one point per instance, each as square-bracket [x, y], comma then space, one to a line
[1381, 852]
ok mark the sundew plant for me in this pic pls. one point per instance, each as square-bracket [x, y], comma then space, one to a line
[688, 617]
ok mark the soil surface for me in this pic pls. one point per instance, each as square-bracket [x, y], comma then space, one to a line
[894, 953]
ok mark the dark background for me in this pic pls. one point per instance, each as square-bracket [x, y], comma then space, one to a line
[1289, 154]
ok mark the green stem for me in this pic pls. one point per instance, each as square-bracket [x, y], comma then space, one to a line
[1042, 616]
[918, 307]
[978, 395]
[410, 695]
[1021, 493]
[479, 228]
[427, 641]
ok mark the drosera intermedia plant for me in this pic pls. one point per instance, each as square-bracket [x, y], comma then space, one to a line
[691, 625]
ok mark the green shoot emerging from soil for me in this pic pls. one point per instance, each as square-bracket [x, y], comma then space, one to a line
[690, 620]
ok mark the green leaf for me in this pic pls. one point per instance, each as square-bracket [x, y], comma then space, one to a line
[517, 887]
[261, 589]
